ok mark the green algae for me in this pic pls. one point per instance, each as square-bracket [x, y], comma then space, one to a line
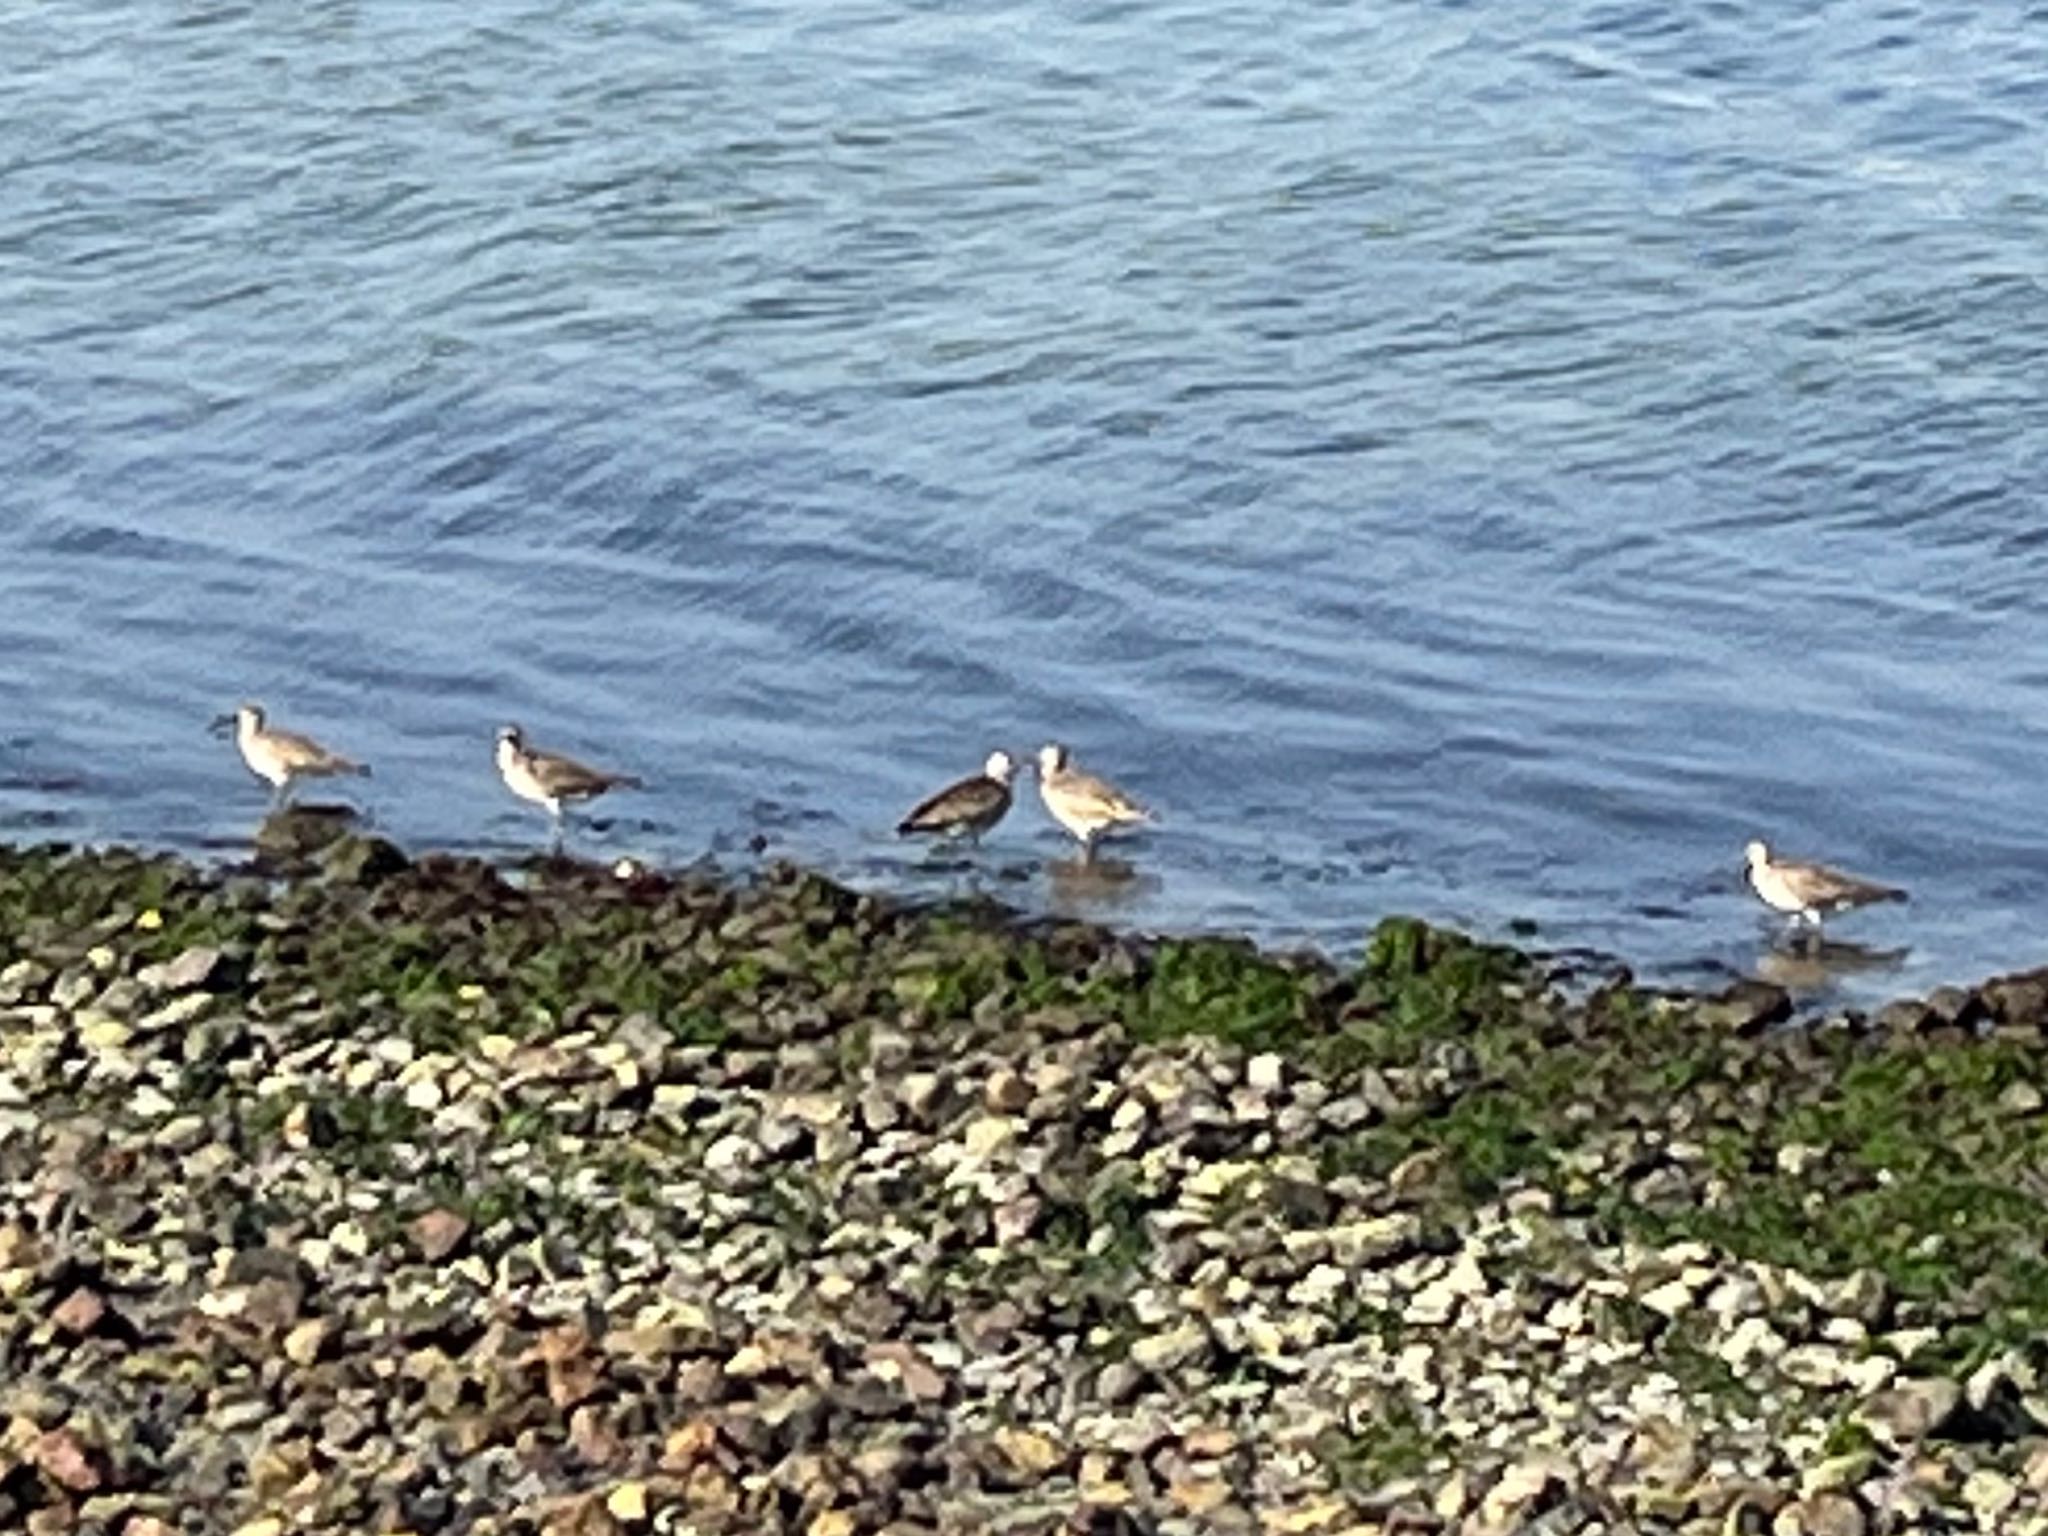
[1924, 1161]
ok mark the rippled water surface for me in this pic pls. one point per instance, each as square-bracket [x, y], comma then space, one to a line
[1481, 459]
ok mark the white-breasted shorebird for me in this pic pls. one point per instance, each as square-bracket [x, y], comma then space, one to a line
[1085, 805]
[1807, 892]
[968, 807]
[550, 779]
[281, 758]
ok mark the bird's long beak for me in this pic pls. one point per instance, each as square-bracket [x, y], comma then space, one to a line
[220, 725]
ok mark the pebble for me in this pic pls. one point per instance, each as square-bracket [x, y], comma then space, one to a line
[1990, 1495]
[964, 1270]
[627, 1503]
[1825, 1514]
[1174, 1348]
[1265, 1072]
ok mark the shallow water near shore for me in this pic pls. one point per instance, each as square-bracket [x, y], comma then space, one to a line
[1462, 460]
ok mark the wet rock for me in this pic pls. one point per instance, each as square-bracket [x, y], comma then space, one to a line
[1905, 1016]
[784, 1208]
[1956, 1007]
[290, 838]
[1746, 1006]
[361, 860]
[2019, 1001]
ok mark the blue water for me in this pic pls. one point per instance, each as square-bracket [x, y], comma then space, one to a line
[1479, 459]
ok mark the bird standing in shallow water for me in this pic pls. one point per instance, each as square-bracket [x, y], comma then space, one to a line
[1082, 803]
[550, 779]
[1807, 892]
[967, 808]
[281, 758]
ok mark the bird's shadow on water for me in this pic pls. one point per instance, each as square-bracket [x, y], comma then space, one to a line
[1810, 962]
[1078, 887]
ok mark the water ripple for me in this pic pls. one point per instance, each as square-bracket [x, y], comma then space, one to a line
[1486, 461]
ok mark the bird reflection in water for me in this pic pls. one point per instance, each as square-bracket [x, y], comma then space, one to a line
[1085, 887]
[1807, 962]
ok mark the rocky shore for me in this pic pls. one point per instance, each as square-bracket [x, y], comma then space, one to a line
[410, 1195]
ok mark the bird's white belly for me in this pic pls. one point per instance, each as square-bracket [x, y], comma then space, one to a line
[1775, 890]
[266, 762]
[1078, 818]
[521, 781]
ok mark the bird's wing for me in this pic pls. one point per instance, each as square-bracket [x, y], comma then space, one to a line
[968, 800]
[1819, 886]
[566, 778]
[1102, 797]
[303, 753]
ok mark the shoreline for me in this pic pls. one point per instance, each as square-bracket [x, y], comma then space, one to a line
[397, 1196]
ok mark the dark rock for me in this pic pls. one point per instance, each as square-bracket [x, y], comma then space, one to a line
[291, 837]
[250, 1265]
[1994, 1411]
[1746, 1007]
[1906, 1016]
[1957, 1007]
[1301, 1204]
[362, 860]
[2020, 1000]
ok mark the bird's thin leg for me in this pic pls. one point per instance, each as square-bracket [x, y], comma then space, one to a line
[1088, 849]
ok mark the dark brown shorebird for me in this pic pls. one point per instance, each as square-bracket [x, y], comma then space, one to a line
[550, 779]
[281, 758]
[967, 808]
[1807, 892]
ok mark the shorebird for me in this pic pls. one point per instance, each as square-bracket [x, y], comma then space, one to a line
[1085, 805]
[281, 758]
[967, 808]
[1806, 892]
[549, 779]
